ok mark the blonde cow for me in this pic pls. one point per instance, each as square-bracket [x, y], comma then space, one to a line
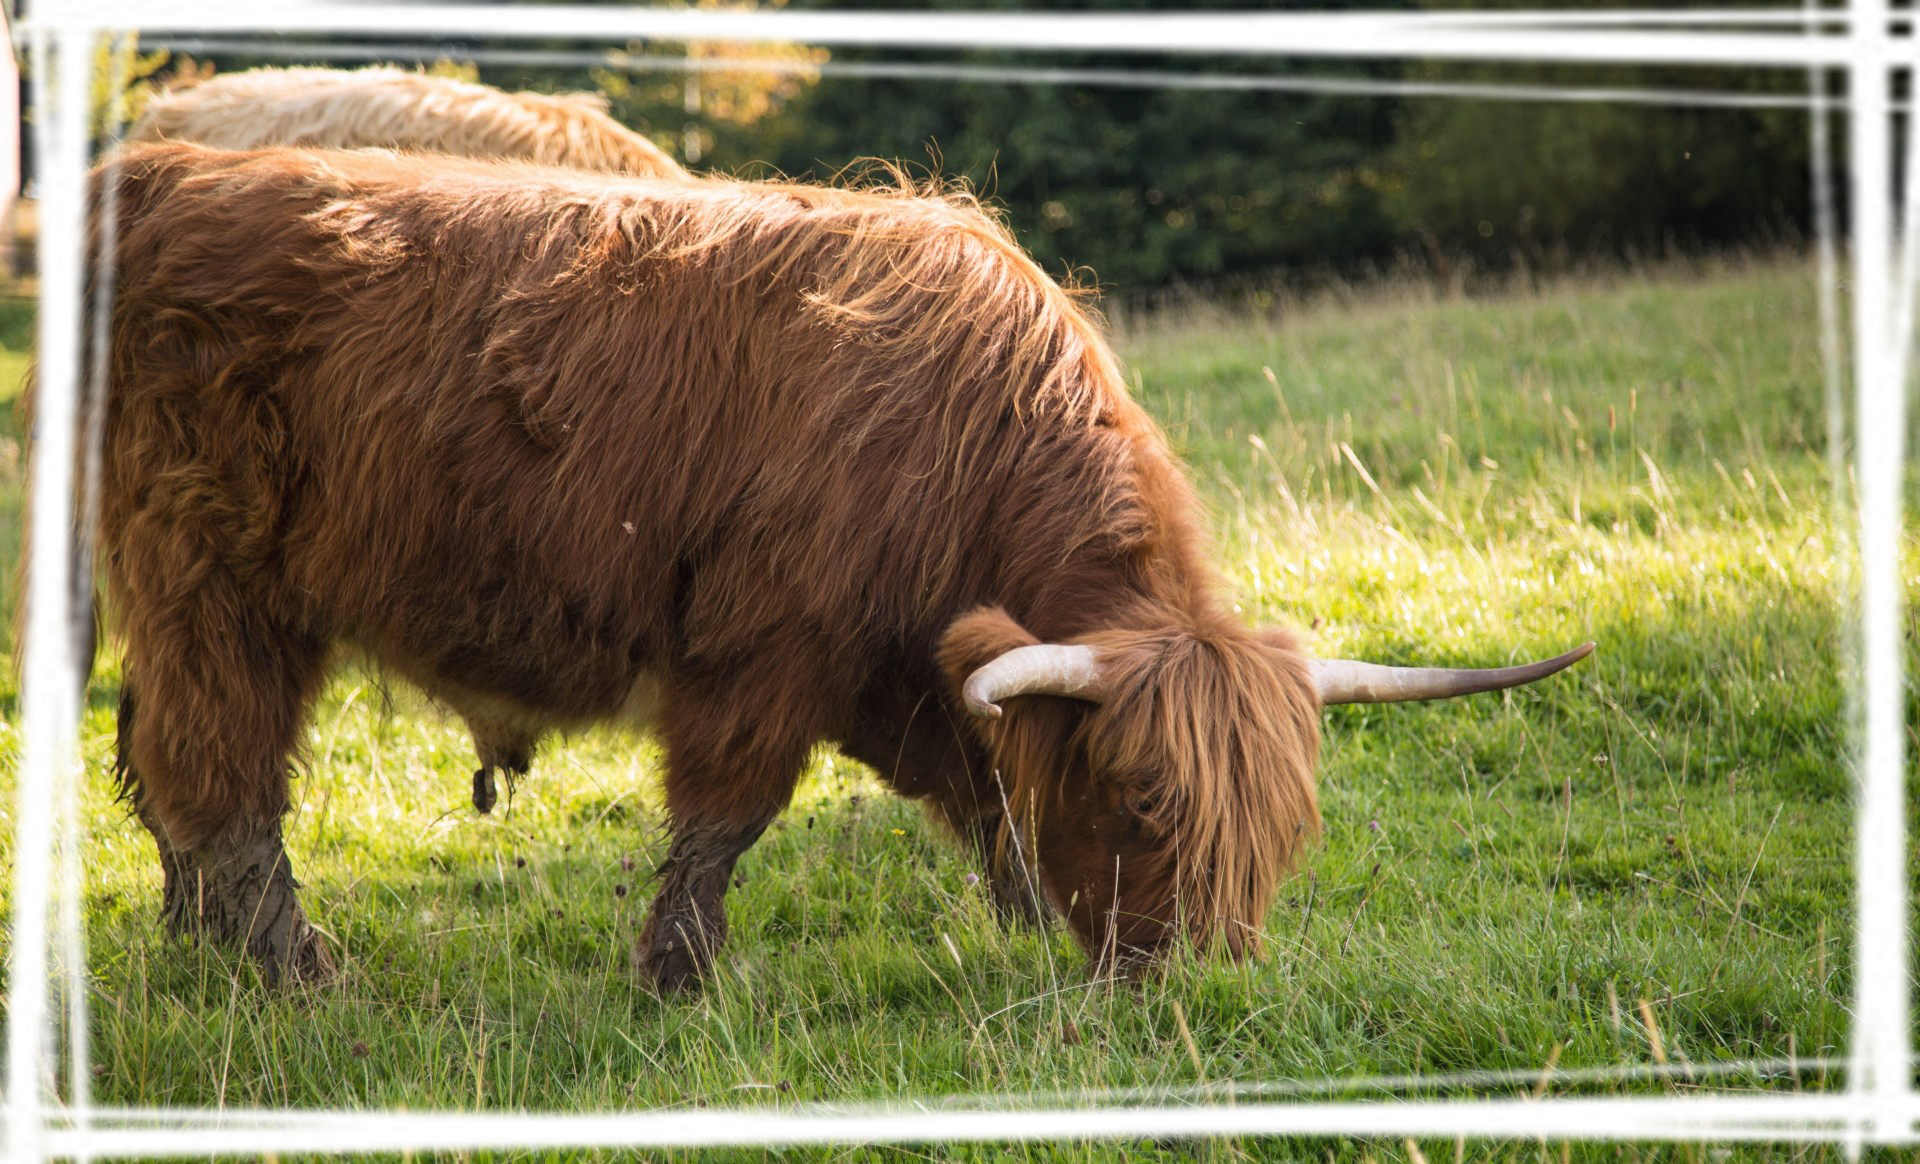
[399, 109]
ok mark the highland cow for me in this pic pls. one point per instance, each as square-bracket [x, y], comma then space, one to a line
[394, 108]
[398, 109]
[764, 465]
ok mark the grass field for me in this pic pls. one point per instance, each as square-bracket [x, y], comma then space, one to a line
[1646, 859]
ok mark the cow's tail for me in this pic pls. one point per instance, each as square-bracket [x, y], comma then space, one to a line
[89, 437]
[80, 581]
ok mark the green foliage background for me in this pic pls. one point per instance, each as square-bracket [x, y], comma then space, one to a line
[1152, 186]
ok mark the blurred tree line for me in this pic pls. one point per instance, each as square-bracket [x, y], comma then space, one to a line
[1151, 186]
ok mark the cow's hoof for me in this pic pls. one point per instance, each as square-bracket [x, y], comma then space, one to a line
[300, 957]
[280, 939]
[672, 956]
[178, 909]
[238, 891]
[668, 967]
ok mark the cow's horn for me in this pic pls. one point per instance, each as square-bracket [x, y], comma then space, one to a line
[1345, 681]
[1042, 669]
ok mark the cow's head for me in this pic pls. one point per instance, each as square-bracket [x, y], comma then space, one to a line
[1161, 778]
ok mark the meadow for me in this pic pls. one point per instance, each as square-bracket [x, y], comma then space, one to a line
[1645, 861]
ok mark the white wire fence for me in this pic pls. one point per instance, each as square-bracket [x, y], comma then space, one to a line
[1868, 42]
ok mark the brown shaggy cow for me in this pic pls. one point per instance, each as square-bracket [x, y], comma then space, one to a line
[767, 465]
[399, 109]
[396, 108]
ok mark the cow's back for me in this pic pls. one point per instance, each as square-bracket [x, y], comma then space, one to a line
[394, 108]
[538, 437]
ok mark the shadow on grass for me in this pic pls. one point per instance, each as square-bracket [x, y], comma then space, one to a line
[1652, 854]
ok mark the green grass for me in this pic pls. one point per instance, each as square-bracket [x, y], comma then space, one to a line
[1663, 835]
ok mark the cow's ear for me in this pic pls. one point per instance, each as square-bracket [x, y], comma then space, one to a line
[975, 639]
[1282, 638]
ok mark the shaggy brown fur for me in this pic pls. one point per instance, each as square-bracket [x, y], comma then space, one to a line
[768, 465]
[385, 106]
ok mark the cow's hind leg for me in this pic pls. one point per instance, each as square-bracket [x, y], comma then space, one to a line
[216, 697]
[242, 893]
[732, 762]
[174, 899]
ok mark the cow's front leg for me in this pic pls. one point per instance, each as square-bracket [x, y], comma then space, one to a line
[688, 923]
[934, 760]
[1012, 883]
[732, 762]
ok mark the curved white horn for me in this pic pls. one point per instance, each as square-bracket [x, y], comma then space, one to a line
[1345, 681]
[1042, 669]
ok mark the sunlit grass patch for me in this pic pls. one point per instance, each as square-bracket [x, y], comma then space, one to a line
[1646, 858]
